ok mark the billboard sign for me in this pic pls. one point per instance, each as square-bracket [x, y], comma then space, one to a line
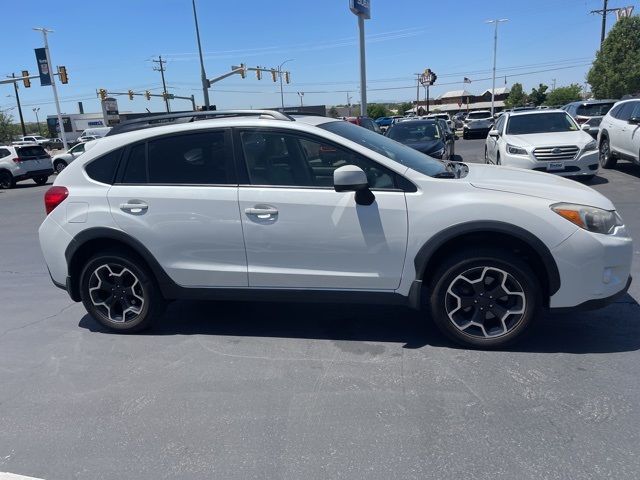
[361, 8]
[110, 111]
[43, 67]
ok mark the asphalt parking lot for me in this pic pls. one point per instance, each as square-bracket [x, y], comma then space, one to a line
[258, 390]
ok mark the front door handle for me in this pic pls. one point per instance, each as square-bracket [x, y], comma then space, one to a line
[135, 207]
[262, 211]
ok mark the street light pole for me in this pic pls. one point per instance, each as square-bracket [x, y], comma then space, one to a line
[280, 75]
[15, 87]
[53, 83]
[36, 110]
[301, 94]
[203, 75]
[363, 69]
[495, 49]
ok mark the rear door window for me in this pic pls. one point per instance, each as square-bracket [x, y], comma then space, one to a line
[624, 113]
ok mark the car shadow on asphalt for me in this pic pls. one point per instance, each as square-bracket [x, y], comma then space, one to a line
[615, 328]
[629, 168]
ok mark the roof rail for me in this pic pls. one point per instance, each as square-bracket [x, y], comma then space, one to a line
[187, 117]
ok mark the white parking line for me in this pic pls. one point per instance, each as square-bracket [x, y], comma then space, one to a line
[13, 476]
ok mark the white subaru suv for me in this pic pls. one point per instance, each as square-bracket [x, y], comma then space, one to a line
[543, 140]
[259, 205]
[619, 134]
[24, 162]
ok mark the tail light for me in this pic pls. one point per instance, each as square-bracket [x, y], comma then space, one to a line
[54, 197]
[16, 160]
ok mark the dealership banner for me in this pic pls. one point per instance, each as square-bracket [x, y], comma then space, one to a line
[43, 67]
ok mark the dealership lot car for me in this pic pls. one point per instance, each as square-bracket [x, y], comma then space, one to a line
[62, 160]
[477, 124]
[542, 140]
[250, 206]
[426, 136]
[619, 134]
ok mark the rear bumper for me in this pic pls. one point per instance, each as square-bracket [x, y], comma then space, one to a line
[33, 174]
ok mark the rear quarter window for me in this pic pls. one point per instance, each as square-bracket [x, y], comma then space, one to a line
[103, 169]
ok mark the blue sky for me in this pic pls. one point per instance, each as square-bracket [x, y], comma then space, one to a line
[111, 44]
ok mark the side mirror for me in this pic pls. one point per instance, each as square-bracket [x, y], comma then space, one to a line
[353, 179]
[494, 133]
[634, 120]
[586, 127]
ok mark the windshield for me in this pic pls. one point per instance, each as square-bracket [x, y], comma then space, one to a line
[594, 109]
[391, 149]
[414, 132]
[477, 115]
[540, 123]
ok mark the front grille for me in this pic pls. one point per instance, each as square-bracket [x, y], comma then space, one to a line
[551, 154]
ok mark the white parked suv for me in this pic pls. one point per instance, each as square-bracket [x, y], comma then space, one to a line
[258, 205]
[619, 135]
[24, 162]
[543, 140]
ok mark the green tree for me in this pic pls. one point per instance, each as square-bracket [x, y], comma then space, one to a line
[616, 69]
[564, 95]
[517, 97]
[403, 107]
[333, 112]
[376, 110]
[538, 95]
[8, 129]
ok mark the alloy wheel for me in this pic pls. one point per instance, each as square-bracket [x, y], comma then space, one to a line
[485, 302]
[604, 152]
[116, 292]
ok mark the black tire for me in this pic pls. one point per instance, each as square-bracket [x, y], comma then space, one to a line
[465, 135]
[127, 268]
[456, 321]
[59, 166]
[606, 158]
[41, 180]
[6, 180]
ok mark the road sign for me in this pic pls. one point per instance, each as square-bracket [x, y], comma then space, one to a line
[43, 67]
[361, 8]
[110, 111]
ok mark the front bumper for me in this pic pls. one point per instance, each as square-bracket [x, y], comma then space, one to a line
[585, 164]
[594, 269]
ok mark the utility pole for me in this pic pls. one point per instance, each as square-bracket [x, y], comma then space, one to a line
[203, 75]
[53, 84]
[349, 102]
[15, 87]
[495, 50]
[36, 110]
[604, 13]
[417, 90]
[553, 80]
[161, 69]
[363, 69]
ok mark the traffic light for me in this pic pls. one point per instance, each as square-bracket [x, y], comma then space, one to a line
[25, 78]
[274, 74]
[102, 93]
[243, 70]
[147, 95]
[130, 94]
[286, 77]
[434, 77]
[259, 73]
[62, 72]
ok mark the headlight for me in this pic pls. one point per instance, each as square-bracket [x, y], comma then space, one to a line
[513, 150]
[592, 145]
[594, 219]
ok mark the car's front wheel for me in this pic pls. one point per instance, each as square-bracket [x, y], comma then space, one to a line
[484, 298]
[119, 292]
[607, 160]
[59, 166]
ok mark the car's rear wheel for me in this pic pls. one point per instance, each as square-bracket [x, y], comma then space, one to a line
[484, 298]
[59, 166]
[119, 292]
[41, 180]
[6, 180]
[607, 160]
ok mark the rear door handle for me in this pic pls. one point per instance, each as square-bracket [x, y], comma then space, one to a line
[134, 207]
[262, 211]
